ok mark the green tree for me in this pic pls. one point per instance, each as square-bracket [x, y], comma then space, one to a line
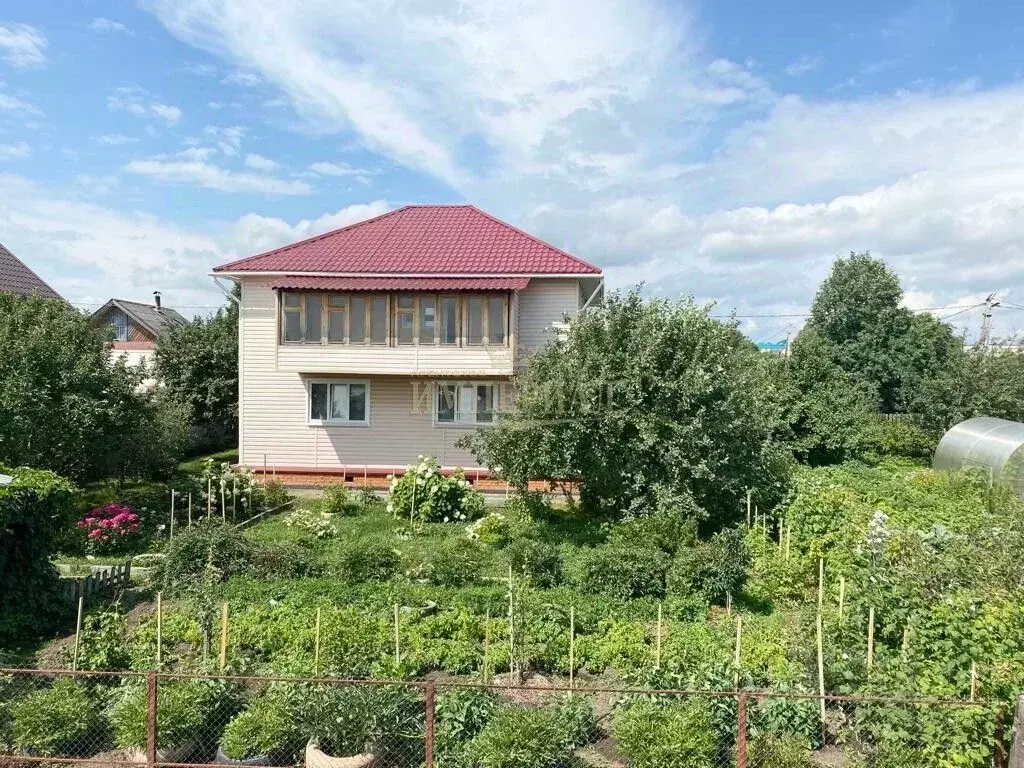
[64, 405]
[643, 398]
[198, 365]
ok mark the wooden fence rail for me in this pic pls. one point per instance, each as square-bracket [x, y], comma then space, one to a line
[112, 577]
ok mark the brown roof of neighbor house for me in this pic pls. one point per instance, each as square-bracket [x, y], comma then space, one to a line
[419, 240]
[17, 278]
[154, 320]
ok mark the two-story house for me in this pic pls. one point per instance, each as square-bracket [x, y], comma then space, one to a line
[363, 348]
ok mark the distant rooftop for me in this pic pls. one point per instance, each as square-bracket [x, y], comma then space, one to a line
[17, 278]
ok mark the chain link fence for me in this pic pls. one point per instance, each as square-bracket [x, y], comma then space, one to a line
[101, 719]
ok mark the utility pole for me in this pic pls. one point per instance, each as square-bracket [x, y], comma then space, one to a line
[986, 319]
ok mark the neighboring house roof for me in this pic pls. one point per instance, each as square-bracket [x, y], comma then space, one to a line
[154, 320]
[300, 282]
[15, 277]
[420, 240]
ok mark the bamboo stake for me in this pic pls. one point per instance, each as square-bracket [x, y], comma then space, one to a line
[159, 629]
[821, 582]
[657, 642]
[398, 649]
[974, 680]
[511, 629]
[748, 509]
[190, 510]
[871, 637]
[572, 646]
[171, 534]
[780, 535]
[842, 595]
[78, 632]
[223, 636]
[728, 603]
[316, 645]
[487, 640]
[821, 668]
[223, 501]
[234, 498]
[412, 508]
[737, 657]
[209, 496]
[789, 538]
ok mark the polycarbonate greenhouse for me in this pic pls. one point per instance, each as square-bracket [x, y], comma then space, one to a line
[993, 445]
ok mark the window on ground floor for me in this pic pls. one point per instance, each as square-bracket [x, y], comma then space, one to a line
[339, 402]
[466, 402]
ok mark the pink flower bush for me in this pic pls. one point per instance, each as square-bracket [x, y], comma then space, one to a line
[109, 523]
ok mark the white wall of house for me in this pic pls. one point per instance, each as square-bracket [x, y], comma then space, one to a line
[273, 418]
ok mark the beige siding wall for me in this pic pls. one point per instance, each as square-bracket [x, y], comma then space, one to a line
[542, 303]
[273, 408]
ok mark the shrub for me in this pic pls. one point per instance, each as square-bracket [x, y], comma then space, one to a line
[522, 738]
[672, 525]
[429, 496]
[266, 727]
[498, 529]
[711, 569]
[102, 643]
[109, 528]
[61, 720]
[462, 713]
[319, 524]
[576, 712]
[456, 563]
[284, 560]
[274, 495]
[368, 561]
[538, 561]
[618, 570]
[896, 437]
[665, 734]
[337, 500]
[210, 551]
[191, 713]
[772, 751]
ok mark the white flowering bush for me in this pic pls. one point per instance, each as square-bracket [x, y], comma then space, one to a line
[426, 495]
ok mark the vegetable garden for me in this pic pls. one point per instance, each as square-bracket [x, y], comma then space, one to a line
[908, 582]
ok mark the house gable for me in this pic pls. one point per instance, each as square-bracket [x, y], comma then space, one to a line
[17, 278]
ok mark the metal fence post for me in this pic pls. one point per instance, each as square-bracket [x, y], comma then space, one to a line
[151, 720]
[429, 737]
[741, 732]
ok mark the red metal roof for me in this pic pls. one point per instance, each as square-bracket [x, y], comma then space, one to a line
[420, 240]
[304, 282]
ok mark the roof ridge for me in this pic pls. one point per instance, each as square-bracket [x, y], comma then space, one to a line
[312, 239]
[536, 239]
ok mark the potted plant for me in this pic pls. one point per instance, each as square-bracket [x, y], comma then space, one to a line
[353, 725]
[188, 712]
[59, 721]
[266, 732]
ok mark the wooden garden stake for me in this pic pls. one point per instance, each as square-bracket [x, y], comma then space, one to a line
[223, 636]
[511, 628]
[572, 645]
[736, 657]
[780, 535]
[728, 603]
[78, 632]
[821, 668]
[412, 512]
[821, 582]
[190, 510]
[748, 508]
[905, 647]
[657, 642]
[871, 637]
[789, 537]
[159, 629]
[974, 680]
[398, 653]
[234, 498]
[842, 595]
[487, 641]
[171, 534]
[209, 496]
[223, 500]
[316, 645]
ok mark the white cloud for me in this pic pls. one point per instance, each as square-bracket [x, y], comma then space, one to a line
[115, 139]
[243, 78]
[100, 24]
[803, 65]
[253, 233]
[98, 185]
[136, 101]
[337, 169]
[198, 153]
[211, 176]
[22, 45]
[18, 107]
[16, 150]
[259, 162]
[229, 139]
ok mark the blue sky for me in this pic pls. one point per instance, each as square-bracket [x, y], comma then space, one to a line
[726, 150]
